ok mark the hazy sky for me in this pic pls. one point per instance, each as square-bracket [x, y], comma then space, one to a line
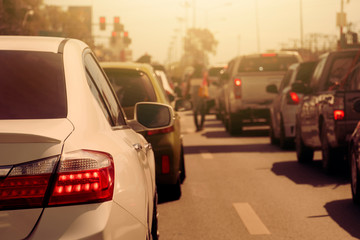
[155, 25]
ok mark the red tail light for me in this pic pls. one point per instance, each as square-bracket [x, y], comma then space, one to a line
[237, 88]
[25, 185]
[82, 176]
[160, 131]
[293, 98]
[339, 114]
[165, 164]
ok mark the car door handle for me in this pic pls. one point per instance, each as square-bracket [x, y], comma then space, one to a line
[137, 147]
[148, 146]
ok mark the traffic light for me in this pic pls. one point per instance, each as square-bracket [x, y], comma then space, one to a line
[102, 23]
[117, 26]
[126, 39]
[113, 38]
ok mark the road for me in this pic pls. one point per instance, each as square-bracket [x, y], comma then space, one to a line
[242, 187]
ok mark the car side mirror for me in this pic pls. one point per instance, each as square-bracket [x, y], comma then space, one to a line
[150, 115]
[182, 105]
[272, 88]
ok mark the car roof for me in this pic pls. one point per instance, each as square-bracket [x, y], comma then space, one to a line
[30, 43]
[36, 43]
[145, 67]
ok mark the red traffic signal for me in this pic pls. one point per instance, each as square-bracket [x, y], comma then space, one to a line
[102, 23]
[117, 26]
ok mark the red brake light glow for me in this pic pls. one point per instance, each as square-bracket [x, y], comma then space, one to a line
[26, 184]
[160, 131]
[269, 55]
[237, 82]
[339, 114]
[84, 176]
[293, 98]
[237, 88]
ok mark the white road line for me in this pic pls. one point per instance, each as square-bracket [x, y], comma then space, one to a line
[206, 155]
[250, 219]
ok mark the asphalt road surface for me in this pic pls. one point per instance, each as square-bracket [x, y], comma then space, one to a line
[242, 187]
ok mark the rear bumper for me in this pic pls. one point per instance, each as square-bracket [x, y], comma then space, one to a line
[253, 116]
[89, 221]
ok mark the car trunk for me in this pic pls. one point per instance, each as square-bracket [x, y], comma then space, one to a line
[21, 143]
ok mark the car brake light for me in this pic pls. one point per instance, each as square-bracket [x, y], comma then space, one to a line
[26, 184]
[293, 98]
[83, 176]
[269, 55]
[237, 87]
[339, 114]
[160, 131]
[165, 164]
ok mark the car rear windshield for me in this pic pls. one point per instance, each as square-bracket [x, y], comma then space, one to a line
[131, 86]
[32, 85]
[266, 63]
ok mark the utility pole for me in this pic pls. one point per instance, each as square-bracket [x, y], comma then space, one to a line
[301, 27]
[257, 26]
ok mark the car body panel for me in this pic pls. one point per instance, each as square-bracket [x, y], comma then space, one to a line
[128, 215]
[164, 143]
[317, 107]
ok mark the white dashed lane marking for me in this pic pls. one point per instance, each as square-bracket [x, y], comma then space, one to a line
[206, 155]
[250, 219]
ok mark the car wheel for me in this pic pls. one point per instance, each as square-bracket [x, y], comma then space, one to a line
[182, 166]
[355, 181]
[234, 125]
[176, 190]
[273, 140]
[329, 154]
[304, 154]
[284, 142]
[155, 222]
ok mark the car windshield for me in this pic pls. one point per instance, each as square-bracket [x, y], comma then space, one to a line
[266, 63]
[131, 86]
[32, 85]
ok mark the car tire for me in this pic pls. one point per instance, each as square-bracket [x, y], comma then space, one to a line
[234, 125]
[355, 178]
[182, 165]
[284, 142]
[273, 140]
[329, 154]
[304, 154]
[176, 190]
[155, 222]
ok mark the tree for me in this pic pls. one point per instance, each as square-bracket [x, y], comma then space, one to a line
[198, 43]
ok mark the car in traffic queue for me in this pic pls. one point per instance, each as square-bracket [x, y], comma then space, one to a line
[137, 82]
[213, 78]
[354, 142]
[244, 98]
[328, 113]
[286, 101]
[71, 165]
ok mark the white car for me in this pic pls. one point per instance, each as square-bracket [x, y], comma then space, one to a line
[283, 108]
[71, 166]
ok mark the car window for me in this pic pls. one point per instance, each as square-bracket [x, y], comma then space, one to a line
[266, 63]
[317, 73]
[339, 67]
[305, 72]
[105, 90]
[286, 80]
[32, 85]
[355, 79]
[131, 86]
